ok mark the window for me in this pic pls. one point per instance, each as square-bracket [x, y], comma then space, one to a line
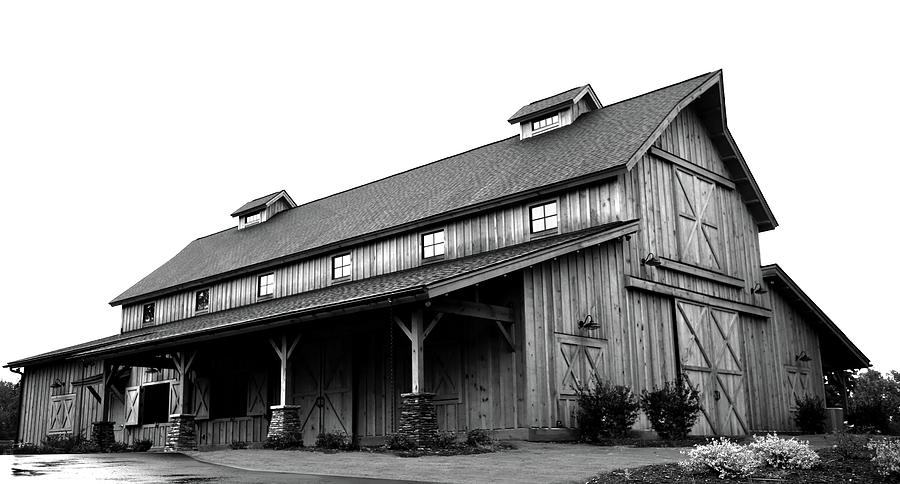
[154, 406]
[545, 123]
[433, 244]
[266, 285]
[149, 313]
[253, 219]
[544, 217]
[340, 266]
[201, 300]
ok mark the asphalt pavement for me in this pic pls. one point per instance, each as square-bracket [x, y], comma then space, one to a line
[146, 468]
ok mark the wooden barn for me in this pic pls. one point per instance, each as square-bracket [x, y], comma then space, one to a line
[615, 242]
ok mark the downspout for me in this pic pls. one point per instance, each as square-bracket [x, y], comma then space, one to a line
[21, 398]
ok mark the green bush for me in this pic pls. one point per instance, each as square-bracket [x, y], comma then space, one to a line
[333, 440]
[605, 410]
[28, 448]
[444, 440]
[779, 453]
[850, 446]
[62, 444]
[478, 438]
[238, 445]
[118, 447]
[724, 457]
[672, 409]
[810, 415]
[399, 442]
[284, 442]
[141, 445]
[887, 456]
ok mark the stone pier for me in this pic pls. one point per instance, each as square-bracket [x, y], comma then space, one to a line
[418, 421]
[181, 435]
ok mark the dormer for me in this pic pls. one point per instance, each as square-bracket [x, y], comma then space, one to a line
[258, 211]
[555, 111]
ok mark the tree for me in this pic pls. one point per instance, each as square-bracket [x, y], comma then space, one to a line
[876, 400]
[9, 410]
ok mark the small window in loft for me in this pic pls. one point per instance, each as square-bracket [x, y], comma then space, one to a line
[340, 266]
[201, 300]
[253, 219]
[544, 217]
[266, 285]
[433, 244]
[545, 123]
[149, 313]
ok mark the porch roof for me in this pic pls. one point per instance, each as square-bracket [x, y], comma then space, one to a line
[419, 283]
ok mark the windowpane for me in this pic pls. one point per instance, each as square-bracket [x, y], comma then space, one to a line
[340, 266]
[201, 300]
[428, 251]
[439, 249]
[428, 239]
[149, 312]
[537, 212]
[544, 217]
[439, 237]
[266, 285]
[537, 225]
[550, 209]
[550, 222]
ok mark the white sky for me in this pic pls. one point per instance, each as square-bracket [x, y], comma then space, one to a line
[127, 129]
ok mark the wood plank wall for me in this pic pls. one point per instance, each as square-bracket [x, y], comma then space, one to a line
[34, 422]
[579, 209]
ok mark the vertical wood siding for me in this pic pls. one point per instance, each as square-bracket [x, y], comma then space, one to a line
[579, 209]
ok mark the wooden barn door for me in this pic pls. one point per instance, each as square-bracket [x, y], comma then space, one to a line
[579, 361]
[709, 344]
[323, 387]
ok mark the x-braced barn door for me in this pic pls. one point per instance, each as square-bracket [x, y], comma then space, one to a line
[323, 387]
[709, 344]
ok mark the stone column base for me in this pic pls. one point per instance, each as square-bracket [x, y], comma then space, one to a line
[418, 421]
[285, 425]
[102, 434]
[182, 434]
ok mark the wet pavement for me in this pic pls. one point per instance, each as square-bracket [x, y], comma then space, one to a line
[145, 468]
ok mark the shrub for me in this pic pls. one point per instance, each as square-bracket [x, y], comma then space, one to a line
[723, 457]
[61, 443]
[478, 438]
[784, 453]
[444, 440]
[117, 447]
[333, 440]
[141, 445]
[27, 448]
[238, 444]
[672, 409]
[399, 442]
[850, 446]
[810, 415]
[292, 441]
[605, 410]
[887, 456]
[868, 418]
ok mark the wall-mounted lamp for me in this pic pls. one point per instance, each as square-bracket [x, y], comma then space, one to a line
[758, 289]
[588, 323]
[57, 383]
[151, 371]
[802, 356]
[651, 260]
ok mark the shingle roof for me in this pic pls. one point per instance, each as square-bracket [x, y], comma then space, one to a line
[254, 204]
[599, 140]
[416, 280]
[546, 103]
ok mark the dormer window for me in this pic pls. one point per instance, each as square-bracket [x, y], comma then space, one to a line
[265, 287]
[433, 246]
[253, 219]
[545, 123]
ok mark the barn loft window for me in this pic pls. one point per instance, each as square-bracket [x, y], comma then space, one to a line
[149, 313]
[544, 218]
[545, 123]
[340, 267]
[433, 244]
[266, 285]
[154, 404]
[252, 219]
[201, 300]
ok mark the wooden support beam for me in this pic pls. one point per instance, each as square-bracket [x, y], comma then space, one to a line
[693, 168]
[284, 350]
[417, 338]
[659, 288]
[434, 322]
[509, 339]
[473, 309]
[402, 326]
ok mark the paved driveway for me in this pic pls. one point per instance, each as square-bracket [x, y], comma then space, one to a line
[143, 468]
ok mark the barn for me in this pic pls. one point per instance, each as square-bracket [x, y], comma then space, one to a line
[616, 242]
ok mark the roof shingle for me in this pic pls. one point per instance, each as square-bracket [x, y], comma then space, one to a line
[546, 103]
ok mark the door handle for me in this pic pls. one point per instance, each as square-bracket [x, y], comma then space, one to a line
[320, 402]
[717, 395]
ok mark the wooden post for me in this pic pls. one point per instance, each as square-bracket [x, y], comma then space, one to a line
[284, 351]
[183, 362]
[417, 339]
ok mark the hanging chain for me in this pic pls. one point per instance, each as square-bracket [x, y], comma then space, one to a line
[391, 363]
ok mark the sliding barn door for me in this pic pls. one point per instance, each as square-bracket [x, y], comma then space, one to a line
[323, 387]
[579, 361]
[709, 344]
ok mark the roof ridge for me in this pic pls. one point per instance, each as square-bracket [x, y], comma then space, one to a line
[557, 94]
[660, 89]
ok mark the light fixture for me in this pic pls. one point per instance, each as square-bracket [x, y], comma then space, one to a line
[588, 323]
[57, 383]
[758, 289]
[651, 260]
[150, 371]
[802, 356]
